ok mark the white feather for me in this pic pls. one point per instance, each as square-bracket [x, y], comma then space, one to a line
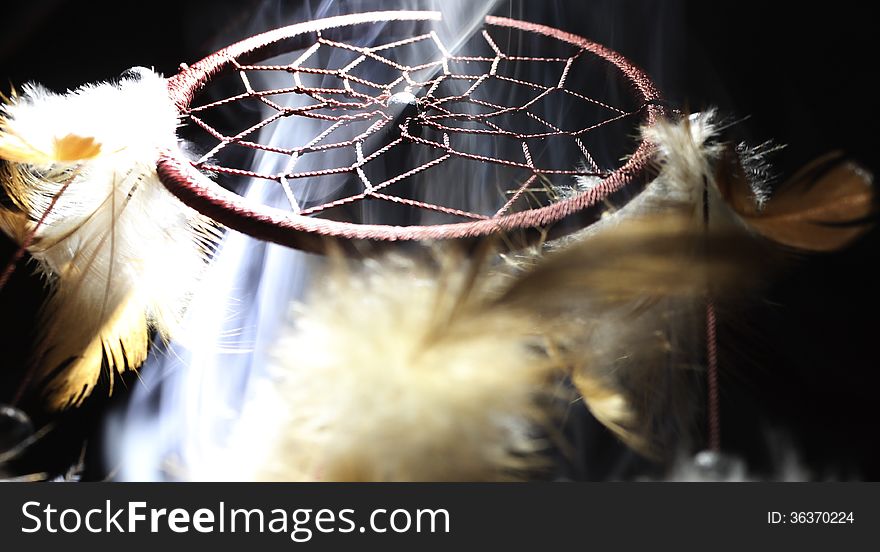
[397, 372]
[121, 253]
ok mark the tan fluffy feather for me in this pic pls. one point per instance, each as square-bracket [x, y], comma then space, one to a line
[402, 371]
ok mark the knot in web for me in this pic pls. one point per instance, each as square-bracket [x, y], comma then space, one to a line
[376, 129]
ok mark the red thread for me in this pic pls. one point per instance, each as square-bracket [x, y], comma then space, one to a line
[713, 402]
[713, 399]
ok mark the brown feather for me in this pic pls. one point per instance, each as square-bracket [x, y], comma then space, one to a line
[659, 255]
[823, 207]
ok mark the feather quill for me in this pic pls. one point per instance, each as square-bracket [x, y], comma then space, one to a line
[120, 254]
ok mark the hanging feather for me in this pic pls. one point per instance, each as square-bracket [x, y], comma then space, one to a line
[631, 298]
[644, 272]
[119, 253]
[401, 371]
[823, 207]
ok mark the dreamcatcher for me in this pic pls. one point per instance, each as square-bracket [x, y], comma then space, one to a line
[580, 230]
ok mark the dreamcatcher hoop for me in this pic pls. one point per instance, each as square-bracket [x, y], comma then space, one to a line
[183, 178]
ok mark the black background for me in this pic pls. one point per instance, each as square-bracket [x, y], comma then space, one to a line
[802, 358]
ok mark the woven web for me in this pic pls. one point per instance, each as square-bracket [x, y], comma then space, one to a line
[503, 118]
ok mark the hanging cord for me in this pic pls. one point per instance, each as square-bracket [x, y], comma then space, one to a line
[713, 400]
[713, 403]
